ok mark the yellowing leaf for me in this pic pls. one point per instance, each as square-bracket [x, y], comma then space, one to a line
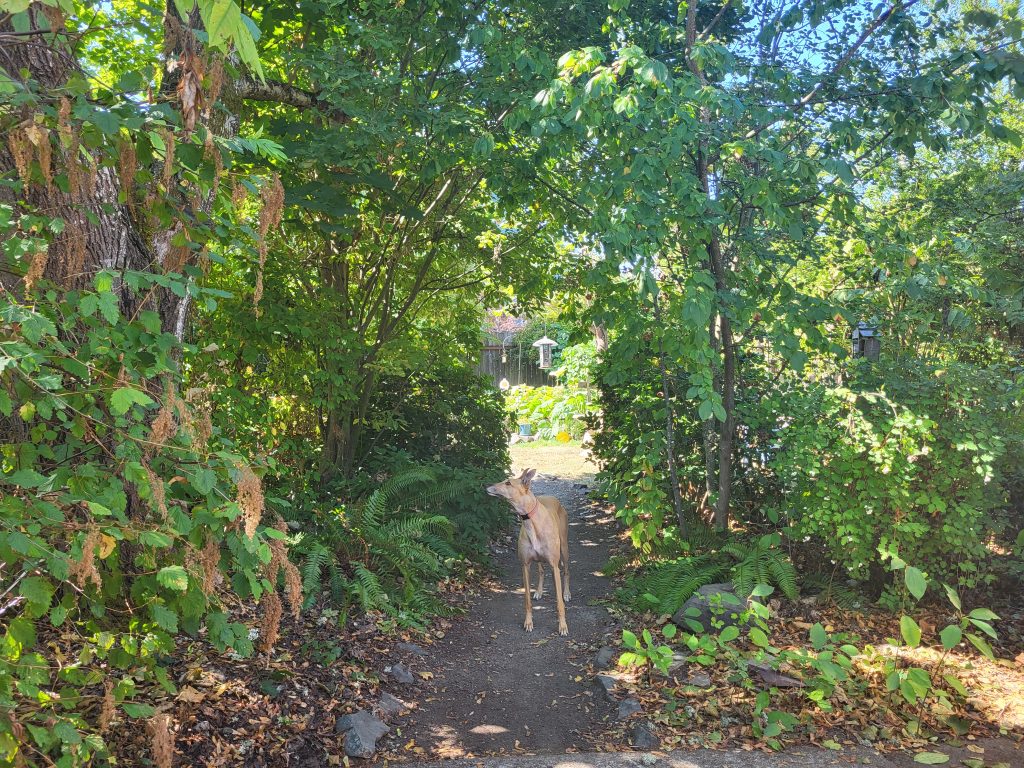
[107, 544]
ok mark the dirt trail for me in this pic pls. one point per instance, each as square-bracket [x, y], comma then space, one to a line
[498, 689]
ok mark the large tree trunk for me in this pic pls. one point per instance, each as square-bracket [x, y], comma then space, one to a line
[99, 233]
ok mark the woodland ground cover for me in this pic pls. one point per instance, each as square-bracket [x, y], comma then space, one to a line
[246, 252]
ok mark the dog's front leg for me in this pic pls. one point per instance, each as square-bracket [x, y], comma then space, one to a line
[528, 624]
[556, 575]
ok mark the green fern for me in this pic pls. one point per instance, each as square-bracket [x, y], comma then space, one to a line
[388, 552]
[761, 563]
[665, 586]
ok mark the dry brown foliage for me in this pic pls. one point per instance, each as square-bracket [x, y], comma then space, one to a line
[54, 15]
[162, 740]
[200, 422]
[164, 427]
[190, 89]
[238, 193]
[272, 197]
[156, 488]
[84, 571]
[39, 135]
[279, 561]
[36, 268]
[209, 559]
[214, 83]
[127, 164]
[249, 496]
[270, 625]
[21, 152]
[107, 708]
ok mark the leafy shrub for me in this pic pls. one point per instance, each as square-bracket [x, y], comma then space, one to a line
[550, 410]
[122, 516]
[452, 416]
[910, 468]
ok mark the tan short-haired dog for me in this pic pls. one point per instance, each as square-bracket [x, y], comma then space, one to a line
[543, 538]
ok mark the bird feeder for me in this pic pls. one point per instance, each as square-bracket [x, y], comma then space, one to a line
[545, 345]
[866, 342]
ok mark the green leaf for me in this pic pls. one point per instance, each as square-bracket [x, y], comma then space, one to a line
[910, 630]
[819, 637]
[758, 637]
[954, 598]
[222, 20]
[669, 631]
[931, 758]
[951, 637]
[916, 582]
[629, 639]
[980, 643]
[173, 577]
[137, 710]
[728, 634]
[165, 618]
[124, 397]
[984, 614]
[38, 592]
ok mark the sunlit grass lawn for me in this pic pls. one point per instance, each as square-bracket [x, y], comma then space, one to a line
[550, 457]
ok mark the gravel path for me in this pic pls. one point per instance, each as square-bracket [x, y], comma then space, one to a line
[499, 689]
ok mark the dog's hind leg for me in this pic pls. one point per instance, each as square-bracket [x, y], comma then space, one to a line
[565, 569]
[528, 624]
[538, 593]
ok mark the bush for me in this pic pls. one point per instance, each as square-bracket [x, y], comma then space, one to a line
[126, 521]
[911, 468]
[551, 411]
[452, 416]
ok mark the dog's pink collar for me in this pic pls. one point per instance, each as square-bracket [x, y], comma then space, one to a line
[529, 514]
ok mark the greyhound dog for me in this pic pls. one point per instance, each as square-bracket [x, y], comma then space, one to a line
[543, 538]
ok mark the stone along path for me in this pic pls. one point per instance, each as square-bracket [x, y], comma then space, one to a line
[499, 689]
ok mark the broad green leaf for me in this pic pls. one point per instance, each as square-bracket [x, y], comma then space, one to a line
[819, 637]
[931, 758]
[951, 636]
[916, 582]
[910, 630]
[173, 577]
[124, 397]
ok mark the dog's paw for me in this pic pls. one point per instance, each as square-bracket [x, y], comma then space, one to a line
[537, 594]
[563, 629]
[528, 624]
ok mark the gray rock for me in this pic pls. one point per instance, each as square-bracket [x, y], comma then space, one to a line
[772, 677]
[401, 674]
[642, 736]
[605, 657]
[648, 760]
[392, 705]
[712, 602]
[361, 731]
[698, 680]
[628, 708]
[412, 648]
[606, 685]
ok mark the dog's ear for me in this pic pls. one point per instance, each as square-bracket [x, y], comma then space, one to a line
[527, 477]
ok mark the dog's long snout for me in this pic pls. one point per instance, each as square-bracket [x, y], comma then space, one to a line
[492, 490]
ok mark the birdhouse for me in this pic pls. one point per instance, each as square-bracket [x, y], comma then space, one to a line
[544, 346]
[866, 341]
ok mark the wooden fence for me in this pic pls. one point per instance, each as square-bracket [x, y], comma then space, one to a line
[517, 369]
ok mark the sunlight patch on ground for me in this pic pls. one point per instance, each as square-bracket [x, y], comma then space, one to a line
[488, 729]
